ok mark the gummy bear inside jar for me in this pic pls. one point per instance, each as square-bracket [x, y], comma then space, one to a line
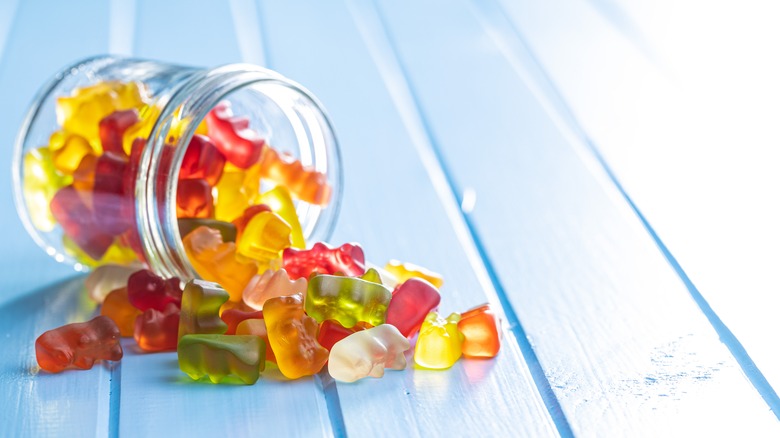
[247, 177]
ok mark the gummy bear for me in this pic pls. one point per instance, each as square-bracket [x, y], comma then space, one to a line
[68, 150]
[215, 260]
[41, 181]
[306, 183]
[156, 330]
[481, 336]
[280, 202]
[234, 317]
[241, 222]
[439, 343]
[202, 160]
[78, 345]
[322, 259]
[240, 145]
[373, 276]
[256, 327]
[347, 300]
[105, 279]
[218, 356]
[232, 197]
[146, 291]
[368, 353]
[331, 332]
[411, 302]
[293, 337]
[404, 271]
[226, 229]
[117, 307]
[269, 285]
[112, 130]
[71, 211]
[264, 238]
[194, 199]
[200, 303]
[82, 112]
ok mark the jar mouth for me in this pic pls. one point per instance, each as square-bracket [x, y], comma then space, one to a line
[186, 109]
[31, 116]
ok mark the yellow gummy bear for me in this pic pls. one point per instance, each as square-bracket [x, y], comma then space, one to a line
[81, 112]
[116, 254]
[40, 183]
[68, 150]
[231, 198]
[404, 271]
[439, 344]
[281, 203]
[264, 237]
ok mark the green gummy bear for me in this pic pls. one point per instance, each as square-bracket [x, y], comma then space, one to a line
[200, 303]
[347, 300]
[218, 356]
[372, 275]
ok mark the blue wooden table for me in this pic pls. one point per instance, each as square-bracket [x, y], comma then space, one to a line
[603, 172]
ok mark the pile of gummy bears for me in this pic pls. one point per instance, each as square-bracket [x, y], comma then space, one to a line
[264, 296]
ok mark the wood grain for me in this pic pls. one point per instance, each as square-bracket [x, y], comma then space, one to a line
[625, 349]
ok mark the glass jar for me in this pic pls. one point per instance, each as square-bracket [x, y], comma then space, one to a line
[125, 210]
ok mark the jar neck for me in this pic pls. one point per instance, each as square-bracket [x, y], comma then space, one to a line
[185, 108]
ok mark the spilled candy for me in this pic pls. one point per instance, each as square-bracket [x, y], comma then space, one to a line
[78, 345]
[367, 353]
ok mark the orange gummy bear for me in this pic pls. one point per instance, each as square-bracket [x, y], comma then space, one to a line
[482, 338]
[305, 183]
[117, 306]
[293, 337]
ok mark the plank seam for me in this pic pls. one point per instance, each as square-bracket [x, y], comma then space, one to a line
[332, 402]
[114, 399]
[324, 380]
[555, 105]
[393, 72]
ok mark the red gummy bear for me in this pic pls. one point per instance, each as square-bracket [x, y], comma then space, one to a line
[112, 130]
[156, 330]
[234, 317]
[331, 332]
[240, 145]
[411, 301]
[78, 223]
[145, 290]
[194, 199]
[202, 160]
[109, 205]
[78, 345]
[347, 259]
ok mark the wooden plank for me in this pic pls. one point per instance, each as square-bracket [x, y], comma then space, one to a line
[625, 349]
[157, 399]
[36, 48]
[686, 122]
[198, 33]
[37, 403]
[391, 207]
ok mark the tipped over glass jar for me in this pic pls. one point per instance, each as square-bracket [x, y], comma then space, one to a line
[119, 160]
